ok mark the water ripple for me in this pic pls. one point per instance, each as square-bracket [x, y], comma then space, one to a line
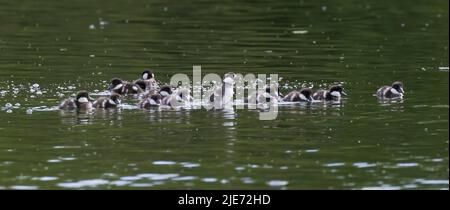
[277, 183]
[84, 183]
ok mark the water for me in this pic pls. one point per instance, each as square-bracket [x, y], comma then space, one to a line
[66, 46]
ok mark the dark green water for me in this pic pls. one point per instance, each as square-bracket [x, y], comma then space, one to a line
[65, 46]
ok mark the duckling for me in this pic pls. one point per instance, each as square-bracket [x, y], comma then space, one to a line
[121, 87]
[149, 78]
[178, 98]
[165, 91]
[151, 100]
[335, 92]
[131, 88]
[116, 85]
[394, 91]
[224, 95]
[304, 95]
[271, 94]
[82, 101]
[141, 83]
[273, 89]
[108, 102]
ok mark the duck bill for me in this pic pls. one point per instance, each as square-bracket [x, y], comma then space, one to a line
[310, 99]
[402, 91]
[343, 93]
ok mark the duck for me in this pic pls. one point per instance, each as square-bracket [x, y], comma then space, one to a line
[165, 91]
[122, 87]
[141, 83]
[108, 102]
[131, 88]
[274, 91]
[304, 95]
[393, 91]
[155, 97]
[116, 84]
[149, 78]
[224, 94]
[270, 93]
[177, 98]
[334, 93]
[151, 100]
[81, 101]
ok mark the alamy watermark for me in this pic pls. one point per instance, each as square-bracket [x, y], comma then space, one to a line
[215, 92]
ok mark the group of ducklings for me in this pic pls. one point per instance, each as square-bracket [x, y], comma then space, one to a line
[333, 93]
[155, 95]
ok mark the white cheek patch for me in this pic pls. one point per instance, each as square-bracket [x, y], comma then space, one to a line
[112, 102]
[178, 98]
[83, 100]
[153, 102]
[145, 76]
[164, 93]
[118, 87]
[335, 94]
[135, 88]
[394, 91]
[303, 97]
[228, 80]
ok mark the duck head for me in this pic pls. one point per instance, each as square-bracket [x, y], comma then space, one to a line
[306, 94]
[83, 98]
[115, 84]
[141, 84]
[183, 94]
[115, 99]
[337, 91]
[397, 88]
[229, 78]
[155, 99]
[273, 90]
[165, 91]
[147, 74]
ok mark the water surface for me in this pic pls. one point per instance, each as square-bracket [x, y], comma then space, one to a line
[65, 46]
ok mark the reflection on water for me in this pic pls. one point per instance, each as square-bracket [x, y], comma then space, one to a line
[76, 117]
